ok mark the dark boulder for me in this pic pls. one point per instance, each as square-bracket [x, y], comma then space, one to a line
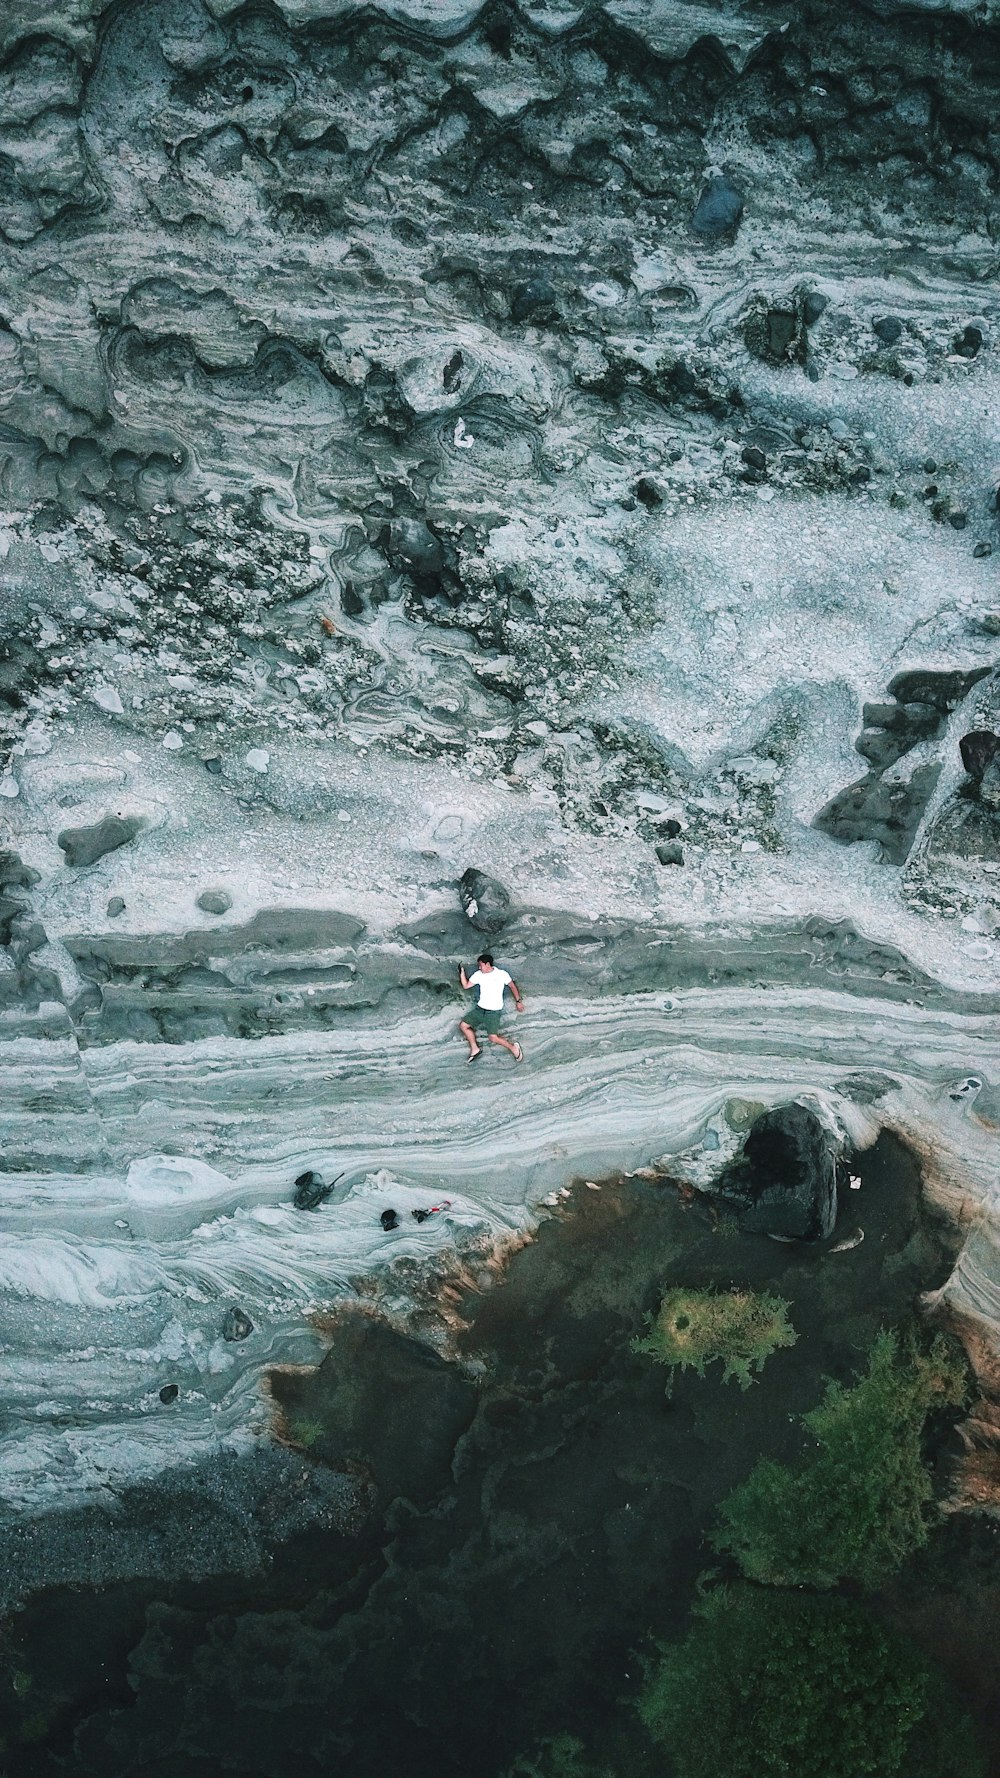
[648, 493]
[311, 1191]
[670, 852]
[989, 785]
[978, 749]
[785, 1182]
[888, 329]
[536, 300]
[945, 690]
[14, 874]
[236, 1325]
[85, 845]
[967, 343]
[813, 306]
[389, 1220]
[169, 1393]
[215, 901]
[486, 902]
[413, 548]
[875, 810]
[719, 210]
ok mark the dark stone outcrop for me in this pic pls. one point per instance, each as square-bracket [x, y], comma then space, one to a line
[85, 845]
[311, 1190]
[236, 1325]
[871, 809]
[486, 902]
[978, 748]
[945, 690]
[785, 1182]
[719, 210]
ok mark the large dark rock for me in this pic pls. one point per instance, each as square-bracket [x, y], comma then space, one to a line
[874, 810]
[486, 902]
[785, 1182]
[311, 1190]
[978, 748]
[535, 300]
[85, 845]
[944, 689]
[236, 1325]
[719, 210]
[413, 548]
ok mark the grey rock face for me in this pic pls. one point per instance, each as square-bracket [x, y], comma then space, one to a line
[86, 845]
[486, 902]
[785, 1182]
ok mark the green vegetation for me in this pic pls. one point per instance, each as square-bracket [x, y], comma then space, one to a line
[305, 1432]
[694, 1328]
[859, 1504]
[558, 1756]
[771, 1684]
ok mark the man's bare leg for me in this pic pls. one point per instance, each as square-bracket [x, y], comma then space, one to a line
[505, 1043]
[470, 1038]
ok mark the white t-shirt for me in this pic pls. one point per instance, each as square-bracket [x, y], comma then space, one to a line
[491, 985]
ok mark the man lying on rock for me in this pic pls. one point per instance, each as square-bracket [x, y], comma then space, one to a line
[488, 1015]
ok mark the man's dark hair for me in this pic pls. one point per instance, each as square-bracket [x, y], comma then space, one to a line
[485, 957]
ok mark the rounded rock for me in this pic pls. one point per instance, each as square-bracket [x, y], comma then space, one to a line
[215, 901]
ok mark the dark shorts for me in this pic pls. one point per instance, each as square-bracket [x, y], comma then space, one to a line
[481, 1020]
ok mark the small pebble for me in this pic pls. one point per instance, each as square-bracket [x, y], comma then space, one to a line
[981, 550]
[116, 906]
[169, 1393]
[172, 741]
[258, 759]
[213, 764]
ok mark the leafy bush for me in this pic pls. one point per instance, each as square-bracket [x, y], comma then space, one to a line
[858, 1505]
[694, 1328]
[305, 1432]
[558, 1756]
[769, 1684]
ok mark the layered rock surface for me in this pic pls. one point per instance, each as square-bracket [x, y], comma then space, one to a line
[544, 451]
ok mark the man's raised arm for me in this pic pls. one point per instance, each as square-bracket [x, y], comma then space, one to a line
[463, 978]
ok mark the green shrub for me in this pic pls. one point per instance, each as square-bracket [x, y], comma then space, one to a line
[859, 1504]
[305, 1432]
[769, 1684]
[558, 1756]
[694, 1328]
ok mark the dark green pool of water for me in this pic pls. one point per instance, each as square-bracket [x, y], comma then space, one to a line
[533, 1522]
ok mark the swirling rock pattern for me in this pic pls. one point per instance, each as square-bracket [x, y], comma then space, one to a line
[439, 444]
